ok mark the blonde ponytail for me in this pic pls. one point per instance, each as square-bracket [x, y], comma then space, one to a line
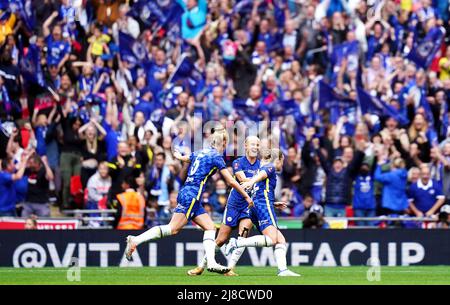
[218, 137]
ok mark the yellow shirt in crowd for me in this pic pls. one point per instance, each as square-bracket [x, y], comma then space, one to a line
[7, 27]
[445, 72]
[97, 44]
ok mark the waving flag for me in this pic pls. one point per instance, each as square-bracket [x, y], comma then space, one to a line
[284, 108]
[373, 105]
[131, 49]
[164, 14]
[189, 75]
[328, 98]
[243, 6]
[247, 109]
[24, 10]
[423, 52]
[336, 103]
[347, 50]
[30, 66]
[279, 6]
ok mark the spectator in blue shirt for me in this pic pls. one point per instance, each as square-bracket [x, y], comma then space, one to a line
[394, 199]
[58, 50]
[8, 177]
[425, 196]
[364, 204]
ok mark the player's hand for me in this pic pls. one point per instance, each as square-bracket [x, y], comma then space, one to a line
[177, 155]
[280, 205]
[121, 161]
[250, 202]
[429, 213]
[247, 185]
[419, 214]
[44, 159]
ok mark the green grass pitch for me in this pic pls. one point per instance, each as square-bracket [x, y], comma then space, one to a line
[247, 276]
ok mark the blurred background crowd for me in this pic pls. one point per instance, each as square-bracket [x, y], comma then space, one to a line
[95, 94]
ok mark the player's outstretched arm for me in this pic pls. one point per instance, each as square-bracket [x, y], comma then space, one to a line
[234, 184]
[256, 178]
[177, 155]
[240, 176]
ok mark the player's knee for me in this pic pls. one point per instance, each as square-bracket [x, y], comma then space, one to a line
[272, 238]
[174, 230]
[244, 232]
[280, 239]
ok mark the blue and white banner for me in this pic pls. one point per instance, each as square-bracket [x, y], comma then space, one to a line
[132, 49]
[423, 51]
[189, 74]
[328, 98]
[162, 13]
[30, 66]
[350, 52]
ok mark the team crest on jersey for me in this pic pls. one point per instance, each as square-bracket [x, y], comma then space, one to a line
[229, 218]
[431, 192]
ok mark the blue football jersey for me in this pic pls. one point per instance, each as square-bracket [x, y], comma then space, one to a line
[242, 164]
[265, 190]
[203, 164]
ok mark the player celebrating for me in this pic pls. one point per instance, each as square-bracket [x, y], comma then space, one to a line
[202, 165]
[237, 211]
[265, 182]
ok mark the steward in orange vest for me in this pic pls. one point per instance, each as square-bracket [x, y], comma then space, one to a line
[132, 204]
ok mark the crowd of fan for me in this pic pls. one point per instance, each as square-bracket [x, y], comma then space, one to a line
[97, 118]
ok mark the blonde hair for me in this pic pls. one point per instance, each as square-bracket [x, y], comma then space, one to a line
[249, 138]
[413, 133]
[218, 137]
[399, 163]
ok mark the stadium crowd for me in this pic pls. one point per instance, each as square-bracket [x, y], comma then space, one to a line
[94, 96]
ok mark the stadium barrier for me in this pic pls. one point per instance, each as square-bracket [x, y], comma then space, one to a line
[104, 248]
[102, 219]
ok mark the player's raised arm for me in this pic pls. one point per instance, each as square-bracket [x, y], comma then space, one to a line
[234, 184]
[177, 155]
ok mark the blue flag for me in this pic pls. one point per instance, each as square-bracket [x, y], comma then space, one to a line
[30, 66]
[445, 122]
[328, 98]
[164, 14]
[347, 50]
[244, 6]
[284, 108]
[131, 49]
[24, 10]
[190, 76]
[423, 52]
[248, 110]
[279, 6]
[373, 105]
